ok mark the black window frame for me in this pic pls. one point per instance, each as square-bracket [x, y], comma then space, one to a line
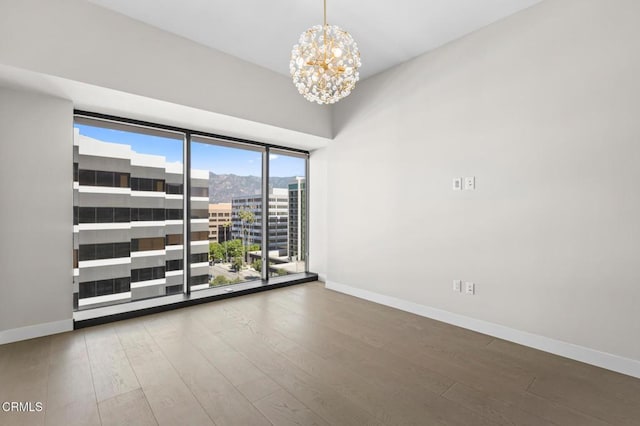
[173, 188]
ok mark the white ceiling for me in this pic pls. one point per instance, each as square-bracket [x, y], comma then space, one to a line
[263, 31]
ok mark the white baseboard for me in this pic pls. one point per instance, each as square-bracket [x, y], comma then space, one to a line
[609, 361]
[33, 331]
[322, 277]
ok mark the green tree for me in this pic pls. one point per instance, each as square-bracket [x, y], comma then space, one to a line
[233, 248]
[247, 218]
[216, 252]
[237, 263]
[254, 247]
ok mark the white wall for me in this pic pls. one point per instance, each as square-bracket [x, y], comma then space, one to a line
[36, 217]
[543, 109]
[318, 212]
[80, 41]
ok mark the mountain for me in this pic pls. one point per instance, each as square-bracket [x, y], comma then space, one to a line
[223, 187]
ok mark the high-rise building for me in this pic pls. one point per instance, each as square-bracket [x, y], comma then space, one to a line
[199, 229]
[128, 225]
[219, 222]
[297, 219]
[278, 214]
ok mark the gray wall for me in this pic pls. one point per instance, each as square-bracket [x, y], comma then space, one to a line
[543, 109]
[36, 175]
[80, 41]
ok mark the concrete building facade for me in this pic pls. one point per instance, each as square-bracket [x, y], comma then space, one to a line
[297, 222]
[129, 225]
[219, 218]
[278, 219]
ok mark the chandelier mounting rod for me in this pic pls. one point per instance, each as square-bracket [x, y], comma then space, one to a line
[325, 13]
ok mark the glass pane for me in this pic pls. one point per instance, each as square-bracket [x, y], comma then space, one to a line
[122, 215]
[287, 214]
[104, 215]
[104, 178]
[122, 250]
[87, 177]
[226, 214]
[87, 215]
[121, 236]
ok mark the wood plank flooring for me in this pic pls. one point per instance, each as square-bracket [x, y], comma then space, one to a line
[302, 355]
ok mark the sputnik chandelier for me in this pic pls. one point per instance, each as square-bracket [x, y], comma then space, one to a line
[324, 64]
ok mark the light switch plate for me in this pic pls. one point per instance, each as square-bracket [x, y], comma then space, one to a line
[457, 184]
[470, 288]
[470, 183]
[457, 286]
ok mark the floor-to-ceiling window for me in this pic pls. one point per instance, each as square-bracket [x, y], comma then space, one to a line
[128, 224]
[287, 213]
[232, 208]
[161, 211]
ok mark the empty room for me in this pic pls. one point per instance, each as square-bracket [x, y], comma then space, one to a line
[319, 212]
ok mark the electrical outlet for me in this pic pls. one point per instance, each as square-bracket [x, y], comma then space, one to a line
[457, 184]
[457, 286]
[470, 183]
[470, 288]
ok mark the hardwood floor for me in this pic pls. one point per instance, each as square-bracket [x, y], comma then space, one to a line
[302, 355]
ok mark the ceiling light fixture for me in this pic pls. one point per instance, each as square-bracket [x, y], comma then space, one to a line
[324, 64]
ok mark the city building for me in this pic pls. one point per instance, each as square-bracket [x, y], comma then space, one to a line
[297, 220]
[219, 222]
[252, 228]
[128, 225]
[199, 229]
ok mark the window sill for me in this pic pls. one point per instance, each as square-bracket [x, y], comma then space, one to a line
[106, 314]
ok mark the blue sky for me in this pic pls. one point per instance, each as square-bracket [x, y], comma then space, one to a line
[218, 159]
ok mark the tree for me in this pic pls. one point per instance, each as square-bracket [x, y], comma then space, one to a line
[233, 248]
[216, 252]
[225, 234]
[257, 265]
[237, 263]
[254, 247]
[247, 218]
